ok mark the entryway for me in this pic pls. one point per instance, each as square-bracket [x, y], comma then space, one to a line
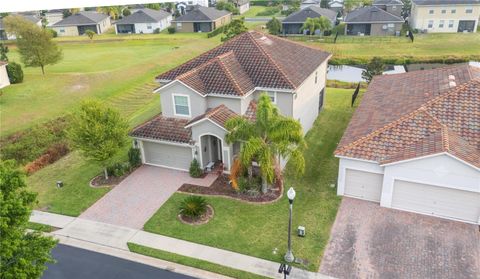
[211, 151]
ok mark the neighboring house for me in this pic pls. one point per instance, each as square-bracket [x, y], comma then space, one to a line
[53, 16]
[3, 33]
[372, 21]
[198, 97]
[293, 23]
[77, 24]
[4, 81]
[336, 5]
[445, 15]
[309, 3]
[392, 6]
[144, 21]
[242, 5]
[413, 144]
[201, 19]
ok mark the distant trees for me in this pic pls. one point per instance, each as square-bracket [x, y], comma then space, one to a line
[407, 6]
[227, 6]
[374, 68]
[113, 11]
[34, 43]
[274, 26]
[234, 28]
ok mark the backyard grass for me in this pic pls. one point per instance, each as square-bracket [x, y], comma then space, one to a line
[426, 48]
[261, 230]
[200, 264]
[254, 10]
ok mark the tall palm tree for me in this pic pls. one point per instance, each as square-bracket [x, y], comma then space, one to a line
[113, 11]
[266, 139]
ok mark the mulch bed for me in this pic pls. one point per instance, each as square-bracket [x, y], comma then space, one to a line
[221, 187]
[200, 221]
[99, 181]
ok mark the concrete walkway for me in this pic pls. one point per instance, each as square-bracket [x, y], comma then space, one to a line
[116, 237]
[132, 202]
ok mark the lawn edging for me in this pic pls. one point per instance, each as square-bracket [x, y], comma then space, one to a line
[192, 262]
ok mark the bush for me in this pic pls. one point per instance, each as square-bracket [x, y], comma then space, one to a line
[134, 157]
[53, 154]
[118, 169]
[15, 72]
[193, 207]
[215, 32]
[195, 170]
[53, 32]
[156, 31]
[171, 30]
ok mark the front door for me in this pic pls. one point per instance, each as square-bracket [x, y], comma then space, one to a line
[466, 25]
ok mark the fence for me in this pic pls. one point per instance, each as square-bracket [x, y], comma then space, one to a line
[342, 39]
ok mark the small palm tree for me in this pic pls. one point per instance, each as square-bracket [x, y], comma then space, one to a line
[318, 23]
[268, 138]
[193, 207]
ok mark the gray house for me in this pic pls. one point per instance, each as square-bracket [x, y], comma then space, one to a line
[372, 21]
[144, 21]
[294, 22]
[77, 24]
[392, 6]
[198, 97]
[201, 19]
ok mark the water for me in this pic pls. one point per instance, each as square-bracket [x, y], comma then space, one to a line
[354, 73]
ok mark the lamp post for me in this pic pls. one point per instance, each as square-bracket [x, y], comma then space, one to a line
[289, 255]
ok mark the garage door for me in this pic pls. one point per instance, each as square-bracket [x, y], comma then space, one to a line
[363, 185]
[171, 156]
[438, 201]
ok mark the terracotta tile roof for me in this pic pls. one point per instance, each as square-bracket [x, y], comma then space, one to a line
[252, 59]
[387, 127]
[251, 113]
[164, 128]
[219, 115]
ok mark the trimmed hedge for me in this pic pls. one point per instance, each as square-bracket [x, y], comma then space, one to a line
[215, 32]
[15, 72]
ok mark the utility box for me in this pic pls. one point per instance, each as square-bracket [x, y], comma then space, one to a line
[301, 231]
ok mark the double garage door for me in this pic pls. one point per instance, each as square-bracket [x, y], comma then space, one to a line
[166, 155]
[415, 197]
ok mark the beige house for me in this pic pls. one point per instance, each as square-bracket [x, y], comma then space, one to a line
[201, 19]
[78, 24]
[445, 16]
[4, 81]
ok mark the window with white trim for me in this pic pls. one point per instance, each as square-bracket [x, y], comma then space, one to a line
[469, 10]
[179, 25]
[454, 11]
[430, 24]
[273, 96]
[450, 23]
[441, 24]
[431, 12]
[149, 26]
[181, 105]
[444, 11]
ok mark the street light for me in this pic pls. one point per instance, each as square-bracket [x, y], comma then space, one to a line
[289, 255]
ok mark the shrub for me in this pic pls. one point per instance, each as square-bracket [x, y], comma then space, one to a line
[53, 154]
[216, 32]
[15, 72]
[156, 31]
[171, 30]
[53, 32]
[134, 157]
[193, 207]
[195, 170]
[118, 169]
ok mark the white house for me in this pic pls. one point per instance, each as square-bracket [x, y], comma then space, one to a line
[4, 81]
[32, 18]
[144, 21]
[414, 144]
[53, 16]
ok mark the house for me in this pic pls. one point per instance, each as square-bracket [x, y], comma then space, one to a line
[293, 23]
[336, 5]
[4, 81]
[53, 16]
[413, 144]
[445, 15]
[309, 3]
[242, 5]
[3, 33]
[202, 19]
[144, 21]
[372, 21]
[77, 24]
[199, 96]
[392, 6]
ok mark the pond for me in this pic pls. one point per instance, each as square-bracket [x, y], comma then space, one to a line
[353, 73]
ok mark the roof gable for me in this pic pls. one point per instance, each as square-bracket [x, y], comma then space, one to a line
[82, 18]
[200, 13]
[312, 12]
[144, 16]
[371, 14]
[218, 115]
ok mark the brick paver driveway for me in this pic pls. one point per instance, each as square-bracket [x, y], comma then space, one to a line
[132, 202]
[368, 241]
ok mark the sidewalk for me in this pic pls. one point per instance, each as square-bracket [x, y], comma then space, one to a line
[116, 237]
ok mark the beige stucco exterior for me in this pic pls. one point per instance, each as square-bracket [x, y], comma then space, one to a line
[4, 81]
[72, 30]
[430, 18]
[187, 26]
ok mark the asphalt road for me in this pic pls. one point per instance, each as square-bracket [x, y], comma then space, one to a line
[73, 263]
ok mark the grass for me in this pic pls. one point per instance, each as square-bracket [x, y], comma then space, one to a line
[426, 48]
[200, 264]
[109, 69]
[254, 10]
[260, 230]
[40, 227]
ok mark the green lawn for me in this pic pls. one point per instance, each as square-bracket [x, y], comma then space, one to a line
[254, 10]
[115, 71]
[259, 229]
[426, 48]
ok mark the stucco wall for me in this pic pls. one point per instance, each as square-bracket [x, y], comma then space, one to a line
[67, 31]
[354, 165]
[143, 27]
[198, 104]
[222, 21]
[377, 29]
[244, 8]
[183, 27]
[283, 101]
[4, 81]
[420, 16]
[232, 103]
[104, 25]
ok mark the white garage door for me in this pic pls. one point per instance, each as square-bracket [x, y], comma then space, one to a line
[167, 155]
[438, 201]
[363, 185]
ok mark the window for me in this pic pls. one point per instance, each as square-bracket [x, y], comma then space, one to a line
[430, 24]
[450, 24]
[469, 10]
[273, 96]
[149, 26]
[444, 11]
[179, 25]
[62, 30]
[431, 12]
[182, 105]
[454, 11]
[441, 24]
[394, 8]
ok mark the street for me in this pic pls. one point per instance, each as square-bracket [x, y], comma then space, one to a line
[75, 263]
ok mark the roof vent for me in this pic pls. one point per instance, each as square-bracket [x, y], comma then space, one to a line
[451, 77]
[452, 84]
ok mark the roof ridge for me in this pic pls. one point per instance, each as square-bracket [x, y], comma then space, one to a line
[224, 67]
[198, 68]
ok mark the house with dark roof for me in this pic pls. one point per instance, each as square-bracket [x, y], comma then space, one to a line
[293, 23]
[4, 80]
[199, 96]
[32, 18]
[413, 144]
[392, 6]
[445, 16]
[374, 21]
[309, 3]
[77, 24]
[143, 21]
[201, 19]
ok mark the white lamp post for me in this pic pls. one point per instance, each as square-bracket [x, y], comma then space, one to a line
[289, 255]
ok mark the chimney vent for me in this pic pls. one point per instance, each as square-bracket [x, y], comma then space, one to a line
[451, 77]
[452, 84]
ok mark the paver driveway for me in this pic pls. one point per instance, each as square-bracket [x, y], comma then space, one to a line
[132, 202]
[369, 241]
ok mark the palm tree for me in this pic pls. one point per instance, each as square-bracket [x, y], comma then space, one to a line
[266, 139]
[113, 11]
[318, 23]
